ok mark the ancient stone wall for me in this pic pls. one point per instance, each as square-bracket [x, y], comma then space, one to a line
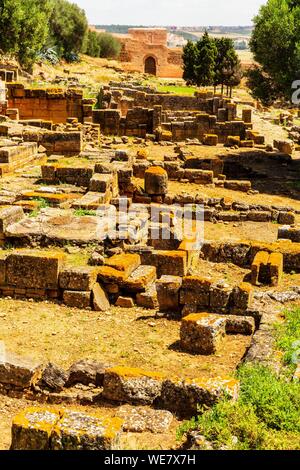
[53, 104]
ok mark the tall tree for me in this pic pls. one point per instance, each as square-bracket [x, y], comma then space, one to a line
[93, 48]
[275, 44]
[11, 13]
[34, 30]
[68, 27]
[206, 53]
[227, 65]
[189, 58]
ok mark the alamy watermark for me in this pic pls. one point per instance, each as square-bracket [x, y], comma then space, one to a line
[296, 93]
[137, 222]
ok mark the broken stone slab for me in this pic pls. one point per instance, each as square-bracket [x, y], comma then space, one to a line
[124, 302]
[53, 378]
[10, 215]
[80, 431]
[131, 385]
[148, 299]
[86, 372]
[141, 419]
[18, 372]
[100, 299]
[48, 429]
[125, 263]
[140, 279]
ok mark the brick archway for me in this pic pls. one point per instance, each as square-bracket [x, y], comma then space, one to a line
[150, 65]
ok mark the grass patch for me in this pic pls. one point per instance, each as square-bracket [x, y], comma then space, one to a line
[83, 212]
[266, 415]
[177, 90]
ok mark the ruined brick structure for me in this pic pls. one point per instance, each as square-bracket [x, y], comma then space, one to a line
[52, 104]
[136, 112]
[145, 50]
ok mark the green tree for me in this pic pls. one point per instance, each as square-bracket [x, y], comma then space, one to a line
[275, 44]
[189, 59]
[33, 31]
[110, 47]
[227, 64]
[206, 53]
[93, 48]
[68, 28]
[10, 24]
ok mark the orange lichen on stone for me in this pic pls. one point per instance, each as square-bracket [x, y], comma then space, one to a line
[110, 275]
[135, 372]
[142, 154]
[156, 170]
[125, 262]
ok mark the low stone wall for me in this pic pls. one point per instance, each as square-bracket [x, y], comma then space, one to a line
[243, 253]
[52, 104]
[23, 377]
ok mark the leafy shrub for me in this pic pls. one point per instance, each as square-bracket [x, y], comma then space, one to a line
[288, 336]
[266, 415]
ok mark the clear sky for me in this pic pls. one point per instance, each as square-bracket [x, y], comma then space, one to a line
[171, 12]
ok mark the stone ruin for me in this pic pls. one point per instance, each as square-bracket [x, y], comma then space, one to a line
[115, 200]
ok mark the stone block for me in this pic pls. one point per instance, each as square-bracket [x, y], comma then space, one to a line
[10, 215]
[240, 325]
[86, 372]
[32, 428]
[134, 386]
[99, 299]
[140, 419]
[219, 298]
[201, 333]
[17, 371]
[33, 269]
[156, 181]
[210, 139]
[79, 279]
[242, 297]
[77, 299]
[286, 218]
[148, 299]
[126, 263]
[124, 302]
[275, 265]
[140, 279]
[80, 431]
[100, 183]
[184, 396]
[259, 268]
[167, 288]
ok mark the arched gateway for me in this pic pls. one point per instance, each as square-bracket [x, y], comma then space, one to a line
[150, 66]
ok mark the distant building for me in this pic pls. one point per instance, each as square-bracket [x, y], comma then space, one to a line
[146, 50]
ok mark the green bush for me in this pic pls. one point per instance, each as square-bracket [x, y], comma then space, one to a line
[288, 336]
[93, 45]
[110, 46]
[266, 415]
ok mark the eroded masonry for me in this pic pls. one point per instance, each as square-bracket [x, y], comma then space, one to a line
[149, 203]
